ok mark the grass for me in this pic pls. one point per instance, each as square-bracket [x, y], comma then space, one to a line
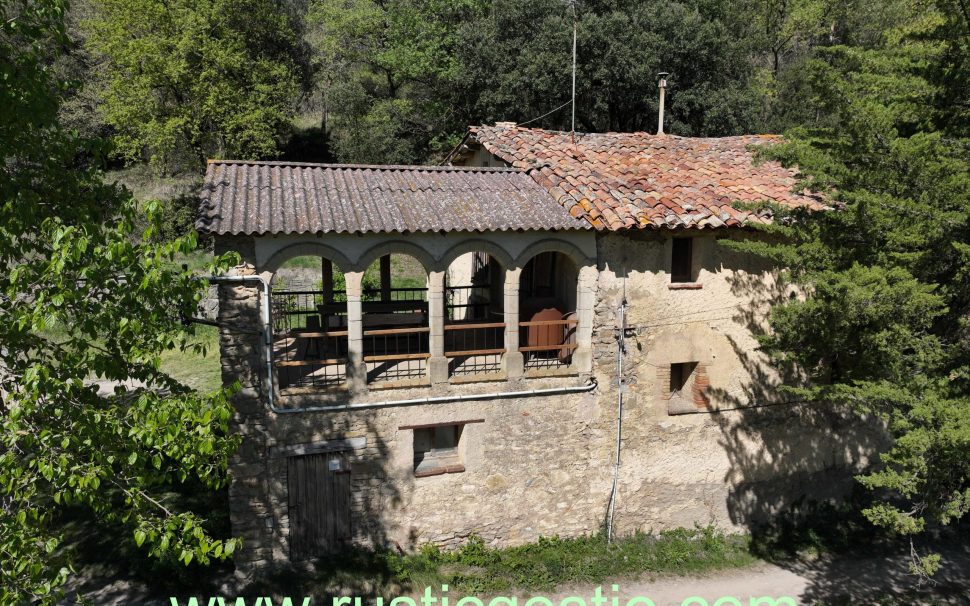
[811, 529]
[476, 569]
[196, 261]
[145, 185]
[200, 372]
[551, 562]
[406, 272]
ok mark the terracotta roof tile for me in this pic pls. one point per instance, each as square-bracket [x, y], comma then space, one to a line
[621, 180]
[288, 198]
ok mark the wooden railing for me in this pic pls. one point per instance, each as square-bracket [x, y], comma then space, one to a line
[479, 335]
[396, 353]
[305, 358]
[539, 338]
[310, 345]
[474, 348]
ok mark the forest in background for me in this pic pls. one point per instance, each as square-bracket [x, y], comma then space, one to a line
[873, 97]
[398, 81]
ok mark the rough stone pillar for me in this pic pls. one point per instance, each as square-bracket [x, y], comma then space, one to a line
[326, 272]
[585, 302]
[438, 363]
[241, 354]
[356, 369]
[386, 278]
[512, 362]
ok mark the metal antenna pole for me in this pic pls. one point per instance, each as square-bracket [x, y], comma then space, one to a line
[572, 4]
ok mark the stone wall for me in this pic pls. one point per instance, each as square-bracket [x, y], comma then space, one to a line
[542, 465]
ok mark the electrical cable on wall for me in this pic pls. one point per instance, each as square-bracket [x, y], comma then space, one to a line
[620, 351]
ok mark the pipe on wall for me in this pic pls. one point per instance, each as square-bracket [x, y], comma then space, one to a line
[589, 386]
[620, 350]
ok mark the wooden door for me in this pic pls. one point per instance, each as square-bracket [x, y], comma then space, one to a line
[319, 504]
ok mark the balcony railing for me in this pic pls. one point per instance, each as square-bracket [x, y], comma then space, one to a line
[396, 354]
[548, 343]
[310, 337]
[474, 348]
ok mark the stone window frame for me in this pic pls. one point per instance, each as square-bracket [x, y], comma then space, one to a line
[684, 271]
[678, 402]
[443, 460]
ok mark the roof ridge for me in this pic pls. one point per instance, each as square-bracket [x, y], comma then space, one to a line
[615, 133]
[620, 180]
[387, 167]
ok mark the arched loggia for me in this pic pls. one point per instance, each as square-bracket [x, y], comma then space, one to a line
[309, 311]
[474, 322]
[548, 295]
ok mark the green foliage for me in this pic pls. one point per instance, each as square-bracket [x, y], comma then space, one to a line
[476, 569]
[551, 562]
[403, 79]
[885, 324]
[84, 297]
[190, 79]
[176, 217]
[385, 66]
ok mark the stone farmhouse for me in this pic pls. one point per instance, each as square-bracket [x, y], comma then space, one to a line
[579, 353]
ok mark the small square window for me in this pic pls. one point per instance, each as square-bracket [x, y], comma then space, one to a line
[680, 376]
[436, 450]
[681, 262]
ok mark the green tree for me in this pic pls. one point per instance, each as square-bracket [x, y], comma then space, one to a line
[886, 324]
[404, 78]
[384, 70]
[183, 80]
[83, 297]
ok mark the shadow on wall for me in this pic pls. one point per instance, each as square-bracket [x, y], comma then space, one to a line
[351, 505]
[783, 453]
[792, 466]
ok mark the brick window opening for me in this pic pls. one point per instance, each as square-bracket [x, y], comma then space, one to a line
[681, 261]
[680, 376]
[686, 387]
[436, 450]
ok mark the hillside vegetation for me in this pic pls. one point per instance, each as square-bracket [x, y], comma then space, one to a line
[873, 97]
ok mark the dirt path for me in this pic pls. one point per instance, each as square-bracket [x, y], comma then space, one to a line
[883, 581]
[761, 580]
[826, 581]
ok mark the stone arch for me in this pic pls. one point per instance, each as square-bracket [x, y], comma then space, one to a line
[400, 247]
[301, 249]
[572, 251]
[478, 245]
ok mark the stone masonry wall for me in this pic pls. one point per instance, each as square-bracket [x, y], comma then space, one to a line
[543, 465]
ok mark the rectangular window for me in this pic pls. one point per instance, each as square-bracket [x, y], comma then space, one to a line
[681, 261]
[436, 450]
[680, 376]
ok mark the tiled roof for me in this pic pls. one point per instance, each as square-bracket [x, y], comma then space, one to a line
[287, 198]
[638, 180]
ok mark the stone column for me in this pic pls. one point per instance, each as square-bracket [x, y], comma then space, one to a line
[356, 369]
[438, 363]
[585, 302]
[512, 362]
[241, 356]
